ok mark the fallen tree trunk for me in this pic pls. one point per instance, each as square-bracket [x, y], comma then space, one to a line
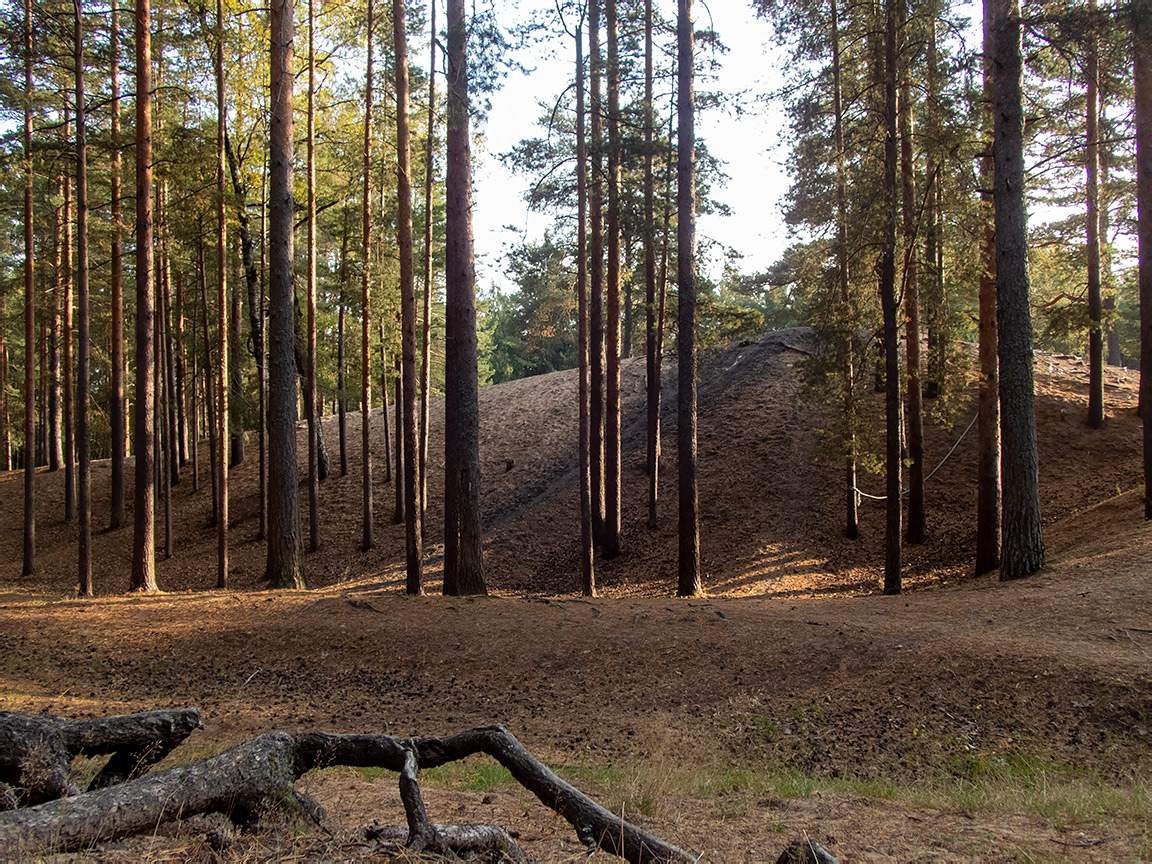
[259, 774]
[36, 750]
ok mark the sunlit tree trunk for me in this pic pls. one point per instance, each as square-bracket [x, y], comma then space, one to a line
[689, 582]
[55, 391]
[66, 324]
[463, 559]
[143, 549]
[29, 566]
[367, 541]
[116, 419]
[83, 381]
[411, 474]
[285, 546]
[612, 308]
[988, 487]
[1022, 543]
[426, 326]
[596, 274]
[310, 389]
[222, 304]
[587, 571]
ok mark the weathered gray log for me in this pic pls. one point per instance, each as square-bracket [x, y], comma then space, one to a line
[259, 774]
[36, 750]
[805, 852]
[467, 839]
[240, 782]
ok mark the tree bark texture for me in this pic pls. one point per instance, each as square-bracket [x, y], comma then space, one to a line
[1022, 543]
[1092, 184]
[1142, 49]
[914, 414]
[988, 486]
[367, 540]
[612, 307]
[889, 307]
[310, 388]
[414, 583]
[222, 307]
[143, 540]
[116, 420]
[463, 559]
[29, 564]
[587, 551]
[285, 544]
[68, 368]
[36, 750]
[259, 774]
[689, 582]
[596, 271]
[83, 426]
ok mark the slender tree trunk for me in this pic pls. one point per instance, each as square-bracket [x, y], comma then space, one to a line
[194, 416]
[260, 348]
[340, 363]
[67, 324]
[168, 348]
[1142, 49]
[851, 496]
[164, 394]
[914, 414]
[179, 369]
[384, 409]
[285, 545]
[1095, 310]
[587, 570]
[5, 432]
[988, 488]
[426, 327]
[689, 580]
[84, 351]
[463, 558]
[367, 541]
[596, 275]
[29, 566]
[651, 368]
[407, 398]
[1022, 543]
[55, 394]
[209, 389]
[116, 419]
[310, 402]
[222, 302]
[889, 305]
[144, 547]
[612, 310]
[398, 403]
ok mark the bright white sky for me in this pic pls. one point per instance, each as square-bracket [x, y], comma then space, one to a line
[749, 145]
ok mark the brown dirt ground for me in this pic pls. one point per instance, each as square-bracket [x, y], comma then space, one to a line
[792, 665]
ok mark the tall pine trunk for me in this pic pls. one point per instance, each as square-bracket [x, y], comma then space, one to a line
[69, 420]
[890, 308]
[29, 565]
[116, 419]
[652, 367]
[596, 274]
[463, 558]
[310, 388]
[143, 540]
[285, 546]
[1142, 49]
[587, 571]
[222, 303]
[367, 541]
[426, 324]
[411, 474]
[914, 417]
[688, 568]
[1095, 309]
[988, 486]
[84, 352]
[612, 307]
[1022, 543]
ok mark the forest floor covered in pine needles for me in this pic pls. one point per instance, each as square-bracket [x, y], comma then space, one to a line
[964, 720]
